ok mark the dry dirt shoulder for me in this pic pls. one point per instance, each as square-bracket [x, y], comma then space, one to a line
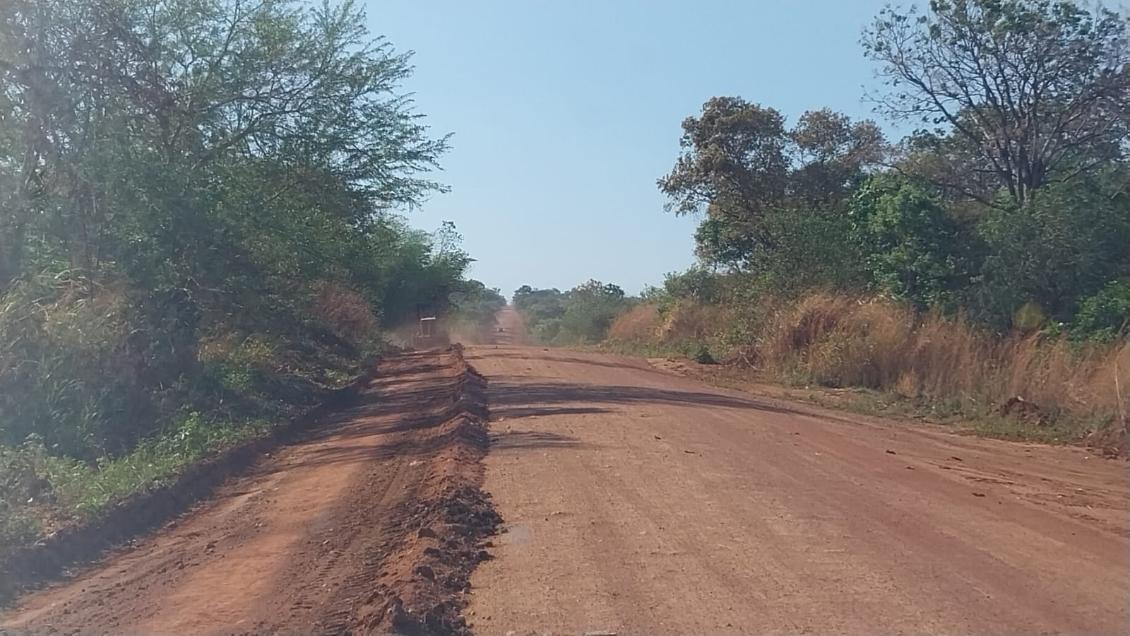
[369, 524]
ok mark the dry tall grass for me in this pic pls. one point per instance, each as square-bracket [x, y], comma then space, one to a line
[345, 311]
[683, 323]
[640, 324]
[947, 364]
[689, 321]
[841, 341]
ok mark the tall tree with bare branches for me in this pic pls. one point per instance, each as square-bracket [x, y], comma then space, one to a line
[1015, 94]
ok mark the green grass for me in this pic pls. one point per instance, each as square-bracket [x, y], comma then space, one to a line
[41, 492]
[1059, 431]
[86, 489]
[248, 384]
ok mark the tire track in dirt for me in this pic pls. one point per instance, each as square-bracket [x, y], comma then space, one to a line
[373, 522]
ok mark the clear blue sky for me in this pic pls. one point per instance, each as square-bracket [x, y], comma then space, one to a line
[564, 114]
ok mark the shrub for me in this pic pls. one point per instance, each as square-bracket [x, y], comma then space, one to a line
[844, 341]
[689, 321]
[1068, 243]
[702, 355]
[914, 249]
[639, 324]
[346, 312]
[72, 371]
[1106, 314]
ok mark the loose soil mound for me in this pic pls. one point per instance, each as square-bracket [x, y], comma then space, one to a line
[29, 566]
[421, 584]
[370, 522]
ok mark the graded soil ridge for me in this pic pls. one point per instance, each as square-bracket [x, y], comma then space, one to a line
[373, 522]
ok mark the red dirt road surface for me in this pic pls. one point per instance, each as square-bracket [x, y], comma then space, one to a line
[639, 502]
[634, 501]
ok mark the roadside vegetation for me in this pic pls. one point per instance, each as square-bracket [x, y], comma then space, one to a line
[579, 316]
[979, 268]
[199, 235]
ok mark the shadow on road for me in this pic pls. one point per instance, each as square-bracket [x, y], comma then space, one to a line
[578, 359]
[518, 396]
[533, 439]
[513, 412]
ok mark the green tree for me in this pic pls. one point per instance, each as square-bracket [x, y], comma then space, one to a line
[914, 249]
[581, 315]
[741, 165]
[476, 305]
[1106, 314]
[734, 164]
[542, 310]
[190, 172]
[697, 283]
[1015, 94]
[590, 309]
[1065, 245]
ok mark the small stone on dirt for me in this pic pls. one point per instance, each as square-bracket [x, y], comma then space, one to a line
[891, 452]
[425, 571]
[978, 494]
[426, 533]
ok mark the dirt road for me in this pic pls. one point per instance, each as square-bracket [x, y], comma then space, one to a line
[376, 511]
[638, 502]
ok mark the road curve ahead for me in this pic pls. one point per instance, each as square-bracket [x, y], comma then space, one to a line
[639, 502]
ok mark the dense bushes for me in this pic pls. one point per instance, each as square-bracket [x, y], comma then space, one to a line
[1065, 245]
[73, 370]
[946, 366]
[198, 234]
[1106, 314]
[843, 341]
